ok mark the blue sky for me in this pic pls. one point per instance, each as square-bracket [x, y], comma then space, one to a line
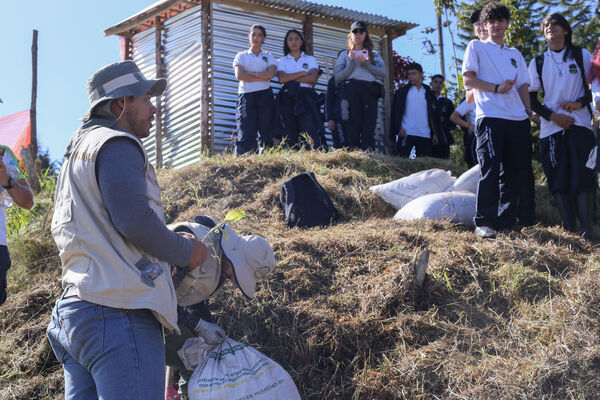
[71, 46]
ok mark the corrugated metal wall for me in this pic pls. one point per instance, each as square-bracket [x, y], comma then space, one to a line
[181, 42]
[182, 57]
[230, 36]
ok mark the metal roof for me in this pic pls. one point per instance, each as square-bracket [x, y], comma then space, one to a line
[166, 9]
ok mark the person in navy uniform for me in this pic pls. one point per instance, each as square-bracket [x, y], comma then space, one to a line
[499, 78]
[254, 68]
[300, 112]
[445, 108]
[566, 136]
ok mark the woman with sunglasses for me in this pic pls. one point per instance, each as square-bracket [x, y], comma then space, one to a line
[298, 72]
[254, 68]
[359, 68]
[566, 136]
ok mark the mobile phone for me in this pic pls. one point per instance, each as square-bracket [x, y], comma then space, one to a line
[361, 54]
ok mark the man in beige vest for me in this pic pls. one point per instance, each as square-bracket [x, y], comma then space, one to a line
[107, 327]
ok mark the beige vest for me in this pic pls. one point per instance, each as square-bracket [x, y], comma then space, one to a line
[96, 259]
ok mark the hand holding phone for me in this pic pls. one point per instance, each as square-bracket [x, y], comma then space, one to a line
[360, 55]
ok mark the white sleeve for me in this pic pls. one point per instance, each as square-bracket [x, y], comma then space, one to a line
[463, 108]
[281, 65]
[312, 63]
[587, 63]
[471, 59]
[534, 77]
[271, 60]
[238, 59]
[522, 72]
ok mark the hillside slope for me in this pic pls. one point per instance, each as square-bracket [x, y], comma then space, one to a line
[512, 318]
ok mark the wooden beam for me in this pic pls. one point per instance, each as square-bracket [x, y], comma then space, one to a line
[131, 23]
[389, 89]
[205, 79]
[307, 27]
[158, 128]
[30, 159]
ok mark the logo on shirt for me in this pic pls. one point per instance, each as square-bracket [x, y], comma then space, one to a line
[573, 68]
[305, 66]
[513, 62]
[265, 59]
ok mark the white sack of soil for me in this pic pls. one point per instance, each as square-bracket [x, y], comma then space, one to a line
[235, 371]
[401, 191]
[456, 206]
[467, 181]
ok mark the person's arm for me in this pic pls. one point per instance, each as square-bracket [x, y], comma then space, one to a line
[310, 78]
[524, 95]
[121, 177]
[470, 79]
[377, 69]
[285, 77]
[344, 66]
[21, 193]
[456, 118]
[470, 96]
[242, 75]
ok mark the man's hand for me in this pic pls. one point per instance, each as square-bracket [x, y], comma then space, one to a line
[212, 334]
[564, 121]
[506, 86]
[199, 250]
[434, 140]
[598, 105]
[331, 125]
[470, 128]
[570, 105]
[402, 133]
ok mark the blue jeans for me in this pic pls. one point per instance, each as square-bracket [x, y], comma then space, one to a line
[107, 353]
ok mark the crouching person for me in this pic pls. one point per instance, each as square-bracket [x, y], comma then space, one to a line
[108, 325]
[241, 260]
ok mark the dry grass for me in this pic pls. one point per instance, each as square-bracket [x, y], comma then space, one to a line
[512, 318]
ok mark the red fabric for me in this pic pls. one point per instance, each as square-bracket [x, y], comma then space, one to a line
[15, 131]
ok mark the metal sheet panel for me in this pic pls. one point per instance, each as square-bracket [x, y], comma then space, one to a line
[328, 41]
[230, 36]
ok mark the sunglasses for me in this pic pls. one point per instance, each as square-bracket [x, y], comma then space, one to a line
[358, 31]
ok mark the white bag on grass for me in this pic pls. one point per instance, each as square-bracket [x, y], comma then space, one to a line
[456, 206]
[236, 371]
[401, 191]
[468, 181]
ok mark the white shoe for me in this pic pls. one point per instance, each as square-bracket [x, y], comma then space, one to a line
[485, 232]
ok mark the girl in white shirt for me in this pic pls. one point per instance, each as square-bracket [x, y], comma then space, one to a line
[254, 68]
[298, 72]
[566, 136]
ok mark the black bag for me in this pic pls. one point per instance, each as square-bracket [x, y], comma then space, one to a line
[305, 203]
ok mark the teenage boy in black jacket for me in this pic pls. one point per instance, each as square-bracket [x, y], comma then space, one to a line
[415, 118]
[445, 108]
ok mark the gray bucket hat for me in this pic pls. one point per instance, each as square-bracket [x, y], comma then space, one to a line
[118, 80]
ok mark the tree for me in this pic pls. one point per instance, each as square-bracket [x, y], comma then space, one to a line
[400, 73]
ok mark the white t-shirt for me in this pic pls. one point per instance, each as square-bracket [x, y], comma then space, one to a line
[562, 82]
[495, 64]
[465, 108]
[414, 120]
[305, 62]
[12, 165]
[253, 63]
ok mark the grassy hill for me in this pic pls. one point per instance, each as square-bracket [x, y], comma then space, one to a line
[511, 318]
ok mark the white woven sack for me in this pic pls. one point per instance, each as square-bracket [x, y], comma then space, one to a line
[401, 191]
[236, 371]
[468, 181]
[455, 206]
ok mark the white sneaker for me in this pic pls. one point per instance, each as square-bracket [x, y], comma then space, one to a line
[485, 232]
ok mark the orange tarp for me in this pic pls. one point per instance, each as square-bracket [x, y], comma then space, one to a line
[15, 131]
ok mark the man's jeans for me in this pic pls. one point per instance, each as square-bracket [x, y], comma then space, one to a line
[107, 353]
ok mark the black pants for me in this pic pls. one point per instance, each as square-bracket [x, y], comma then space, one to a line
[501, 144]
[440, 151]
[470, 143]
[298, 117]
[363, 114]
[254, 116]
[4, 266]
[422, 146]
[563, 156]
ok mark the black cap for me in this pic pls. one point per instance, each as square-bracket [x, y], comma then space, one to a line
[358, 24]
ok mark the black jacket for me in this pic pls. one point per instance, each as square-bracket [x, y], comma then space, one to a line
[399, 106]
[445, 109]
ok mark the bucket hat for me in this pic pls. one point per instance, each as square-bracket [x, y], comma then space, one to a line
[118, 80]
[251, 256]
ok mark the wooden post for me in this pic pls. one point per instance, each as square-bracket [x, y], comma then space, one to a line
[127, 48]
[441, 45]
[307, 27]
[158, 131]
[205, 147]
[30, 159]
[388, 82]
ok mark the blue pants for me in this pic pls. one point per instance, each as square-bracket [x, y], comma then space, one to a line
[4, 266]
[107, 353]
[254, 116]
[502, 145]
